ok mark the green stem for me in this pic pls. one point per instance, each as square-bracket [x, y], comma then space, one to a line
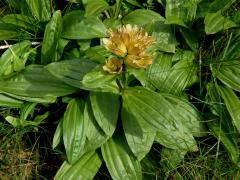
[107, 14]
[226, 49]
[118, 7]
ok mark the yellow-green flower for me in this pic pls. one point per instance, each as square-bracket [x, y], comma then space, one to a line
[113, 66]
[130, 42]
[140, 61]
[115, 44]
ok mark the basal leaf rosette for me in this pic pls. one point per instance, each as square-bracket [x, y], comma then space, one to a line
[129, 43]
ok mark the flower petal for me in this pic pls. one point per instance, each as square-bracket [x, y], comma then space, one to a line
[113, 66]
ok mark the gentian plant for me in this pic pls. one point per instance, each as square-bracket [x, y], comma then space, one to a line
[126, 75]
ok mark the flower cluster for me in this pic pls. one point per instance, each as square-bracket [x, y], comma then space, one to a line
[129, 44]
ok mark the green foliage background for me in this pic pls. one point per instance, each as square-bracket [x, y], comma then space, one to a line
[52, 56]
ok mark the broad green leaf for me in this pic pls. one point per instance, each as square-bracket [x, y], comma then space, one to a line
[105, 108]
[7, 101]
[51, 37]
[160, 114]
[215, 102]
[94, 7]
[190, 37]
[26, 109]
[171, 158]
[112, 23]
[35, 55]
[39, 118]
[35, 82]
[120, 161]
[76, 26]
[134, 2]
[58, 134]
[97, 54]
[74, 53]
[226, 137]
[187, 114]
[182, 75]
[183, 55]
[203, 9]
[139, 74]
[71, 71]
[228, 72]
[181, 12]
[40, 9]
[100, 81]
[95, 135]
[15, 122]
[60, 48]
[62, 170]
[74, 136]
[236, 17]
[206, 6]
[232, 103]
[43, 99]
[215, 22]
[85, 168]
[176, 79]
[158, 71]
[139, 135]
[164, 37]
[142, 17]
[234, 46]
[17, 4]
[220, 5]
[12, 32]
[84, 44]
[20, 20]
[14, 58]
